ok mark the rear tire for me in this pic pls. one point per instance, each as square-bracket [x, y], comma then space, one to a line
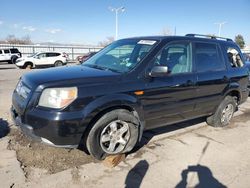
[13, 59]
[58, 63]
[115, 132]
[224, 113]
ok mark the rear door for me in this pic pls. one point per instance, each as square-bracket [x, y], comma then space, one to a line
[2, 56]
[171, 98]
[6, 55]
[212, 76]
[52, 57]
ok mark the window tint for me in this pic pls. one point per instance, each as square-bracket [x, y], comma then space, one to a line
[14, 50]
[176, 57]
[1, 52]
[207, 58]
[52, 54]
[6, 51]
[233, 57]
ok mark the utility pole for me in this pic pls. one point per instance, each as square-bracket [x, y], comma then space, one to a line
[116, 10]
[220, 26]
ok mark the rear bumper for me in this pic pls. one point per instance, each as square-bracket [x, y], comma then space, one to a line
[44, 128]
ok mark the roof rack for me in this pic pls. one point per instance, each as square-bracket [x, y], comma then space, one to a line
[208, 36]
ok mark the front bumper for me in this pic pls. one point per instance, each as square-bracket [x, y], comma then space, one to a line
[42, 127]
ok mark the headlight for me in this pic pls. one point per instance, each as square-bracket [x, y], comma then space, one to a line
[58, 97]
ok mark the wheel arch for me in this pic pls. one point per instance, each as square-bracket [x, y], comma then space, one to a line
[234, 91]
[28, 62]
[96, 109]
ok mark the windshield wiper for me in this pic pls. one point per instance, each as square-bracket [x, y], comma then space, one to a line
[101, 68]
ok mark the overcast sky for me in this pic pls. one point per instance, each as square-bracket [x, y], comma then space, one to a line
[88, 22]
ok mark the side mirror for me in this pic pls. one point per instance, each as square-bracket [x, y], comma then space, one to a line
[159, 71]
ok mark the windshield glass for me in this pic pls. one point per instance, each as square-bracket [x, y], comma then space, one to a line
[121, 56]
[32, 55]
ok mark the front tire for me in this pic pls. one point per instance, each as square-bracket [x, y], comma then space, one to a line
[224, 113]
[115, 132]
[28, 65]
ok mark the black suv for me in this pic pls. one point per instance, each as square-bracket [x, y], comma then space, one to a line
[132, 85]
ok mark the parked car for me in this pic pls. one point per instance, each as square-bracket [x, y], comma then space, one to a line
[246, 57]
[106, 103]
[85, 57]
[9, 55]
[42, 59]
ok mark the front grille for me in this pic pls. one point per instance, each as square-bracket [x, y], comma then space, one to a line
[22, 90]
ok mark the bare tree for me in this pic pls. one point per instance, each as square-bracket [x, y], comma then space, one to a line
[12, 39]
[106, 42]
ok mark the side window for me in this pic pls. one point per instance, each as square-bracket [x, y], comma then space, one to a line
[6, 51]
[177, 57]
[207, 57]
[1, 52]
[42, 55]
[233, 57]
[50, 54]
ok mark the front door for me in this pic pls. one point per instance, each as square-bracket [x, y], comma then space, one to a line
[40, 59]
[171, 98]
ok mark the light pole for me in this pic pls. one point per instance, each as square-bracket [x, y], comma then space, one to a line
[116, 10]
[220, 26]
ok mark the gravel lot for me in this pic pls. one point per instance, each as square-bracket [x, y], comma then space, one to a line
[180, 155]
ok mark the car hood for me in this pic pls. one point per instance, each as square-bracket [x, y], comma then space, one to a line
[25, 58]
[69, 75]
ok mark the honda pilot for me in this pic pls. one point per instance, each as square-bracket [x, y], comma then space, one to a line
[130, 86]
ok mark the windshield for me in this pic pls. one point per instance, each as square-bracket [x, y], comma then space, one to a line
[121, 56]
[32, 55]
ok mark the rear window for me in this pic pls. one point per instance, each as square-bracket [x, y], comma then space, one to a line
[233, 57]
[14, 50]
[207, 57]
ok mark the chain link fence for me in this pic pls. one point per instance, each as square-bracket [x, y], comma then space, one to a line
[72, 51]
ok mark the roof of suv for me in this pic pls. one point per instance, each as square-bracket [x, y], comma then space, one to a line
[195, 37]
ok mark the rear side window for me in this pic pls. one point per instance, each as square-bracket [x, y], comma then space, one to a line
[1, 52]
[207, 57]
[233, 57]
[52, 54]
[6, 51]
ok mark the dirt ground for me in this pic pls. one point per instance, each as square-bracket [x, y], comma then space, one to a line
[33, 155]
[180, 155]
